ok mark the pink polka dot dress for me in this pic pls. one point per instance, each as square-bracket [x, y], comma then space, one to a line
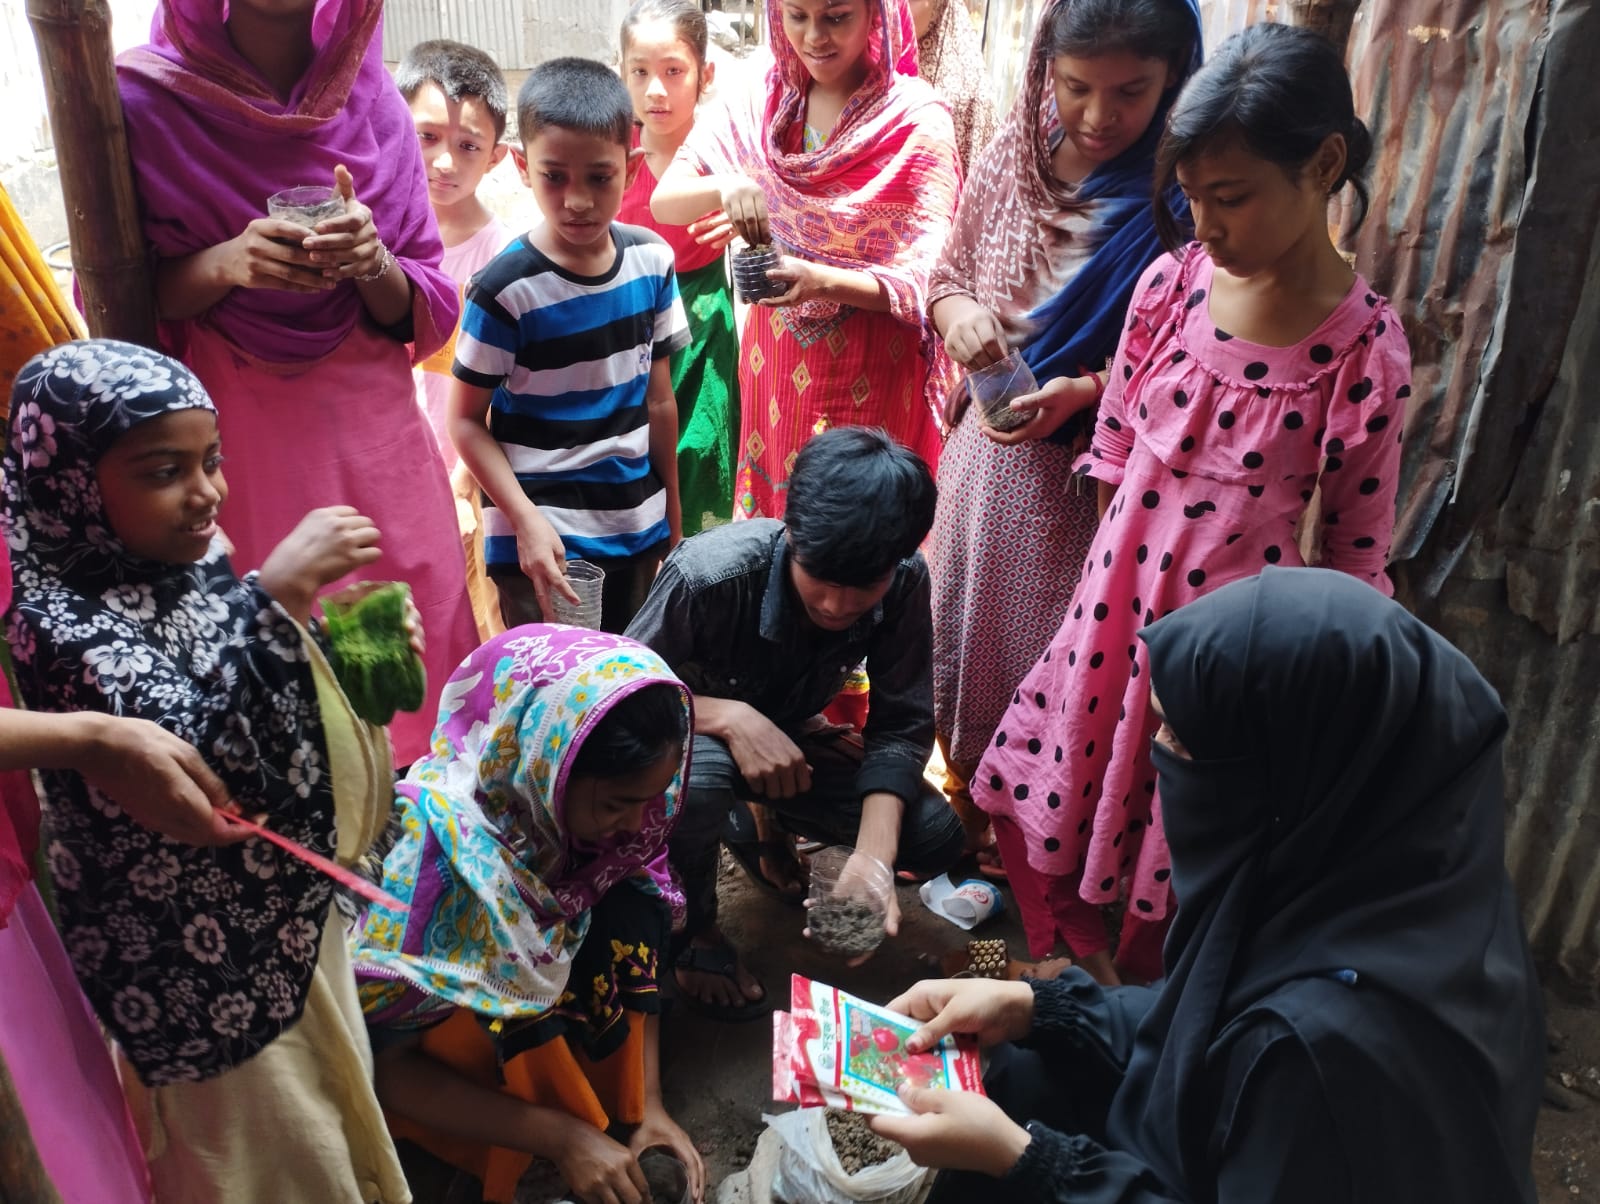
[1215, 445]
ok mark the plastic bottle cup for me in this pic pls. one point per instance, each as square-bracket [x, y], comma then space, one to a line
[666, 1176]
[849, 902]
[992, 390]
[305, 204]
[587, 580]
[750, 266]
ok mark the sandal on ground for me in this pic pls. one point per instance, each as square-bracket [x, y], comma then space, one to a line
[723, 961]
[990, 959]
[749, 854]
[990, 865]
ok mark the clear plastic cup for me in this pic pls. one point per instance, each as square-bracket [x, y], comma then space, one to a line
[993, 389]
[306, 204]
[587, 581]
[850, 895]
[750, 267]
[667, 1177]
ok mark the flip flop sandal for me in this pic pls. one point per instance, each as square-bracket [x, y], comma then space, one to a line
[749, 853]
[722, 961]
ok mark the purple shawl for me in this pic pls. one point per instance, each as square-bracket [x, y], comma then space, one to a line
[211, 141]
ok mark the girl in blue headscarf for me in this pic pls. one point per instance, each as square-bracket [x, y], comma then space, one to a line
[1055, 226]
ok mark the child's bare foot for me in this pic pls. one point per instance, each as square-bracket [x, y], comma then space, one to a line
[712, 978]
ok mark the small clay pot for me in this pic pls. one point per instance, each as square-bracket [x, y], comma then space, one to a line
[750, 267]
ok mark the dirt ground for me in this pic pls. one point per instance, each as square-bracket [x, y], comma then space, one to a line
[717, 1076]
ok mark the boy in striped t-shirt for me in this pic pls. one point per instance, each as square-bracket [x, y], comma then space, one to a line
[562, 404]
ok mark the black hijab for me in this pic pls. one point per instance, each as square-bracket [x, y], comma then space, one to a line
[194, 958]
[1342, 815]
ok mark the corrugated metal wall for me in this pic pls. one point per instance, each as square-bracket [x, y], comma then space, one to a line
[493, 26]
[516, 33]
[1484, 230]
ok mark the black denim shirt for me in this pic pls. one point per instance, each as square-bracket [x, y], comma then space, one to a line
[724, 615]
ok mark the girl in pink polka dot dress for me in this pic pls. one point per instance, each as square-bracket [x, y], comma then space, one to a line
[1254, 367]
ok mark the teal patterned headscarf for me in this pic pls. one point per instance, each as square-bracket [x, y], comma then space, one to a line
[499, 892]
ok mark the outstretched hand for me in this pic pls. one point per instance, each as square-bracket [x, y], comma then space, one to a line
[327, 544]
[160, 781]
[1050, 407]
[955, 1130]
[993, 1012]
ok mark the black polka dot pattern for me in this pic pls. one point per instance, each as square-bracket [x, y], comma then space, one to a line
[1243, 424]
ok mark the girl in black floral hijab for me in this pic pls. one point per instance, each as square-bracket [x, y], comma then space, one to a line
[195, 959]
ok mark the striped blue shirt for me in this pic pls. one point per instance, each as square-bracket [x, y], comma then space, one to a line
[569, 359]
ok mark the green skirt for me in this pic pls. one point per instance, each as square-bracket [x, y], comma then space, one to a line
[705, 380]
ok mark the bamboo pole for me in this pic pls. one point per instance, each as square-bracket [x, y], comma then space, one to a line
[1331, 18]
[108, 249]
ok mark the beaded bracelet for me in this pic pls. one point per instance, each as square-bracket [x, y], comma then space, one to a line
[385, 262]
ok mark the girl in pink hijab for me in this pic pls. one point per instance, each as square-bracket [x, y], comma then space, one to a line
[306, 340]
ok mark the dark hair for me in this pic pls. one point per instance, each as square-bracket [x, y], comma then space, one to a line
[575, 94]
[634, 734]
[858, 505]
[685, 16]
[458, 70]
[1147, 29]
[1279, 91]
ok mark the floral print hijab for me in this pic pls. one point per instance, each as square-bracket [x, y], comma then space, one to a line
[194, 959]
[500, 894]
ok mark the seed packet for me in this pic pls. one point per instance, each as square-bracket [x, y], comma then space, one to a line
[836, 1051]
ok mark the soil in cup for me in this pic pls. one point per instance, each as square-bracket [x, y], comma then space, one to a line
[1004, 418]
[857, 1146]
[845, 925]
[666, 1179]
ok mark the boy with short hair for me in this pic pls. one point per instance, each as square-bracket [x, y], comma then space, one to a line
[764, 620]
[562, 406]
[457, 96]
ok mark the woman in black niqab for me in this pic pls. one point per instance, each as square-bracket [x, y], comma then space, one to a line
[1350, 1011]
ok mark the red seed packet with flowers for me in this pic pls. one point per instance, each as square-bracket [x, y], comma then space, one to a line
[836, 1051]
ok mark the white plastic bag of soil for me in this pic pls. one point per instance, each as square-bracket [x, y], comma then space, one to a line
[809, 1171]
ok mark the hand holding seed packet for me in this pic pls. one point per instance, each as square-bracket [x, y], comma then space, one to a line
[836, 1051]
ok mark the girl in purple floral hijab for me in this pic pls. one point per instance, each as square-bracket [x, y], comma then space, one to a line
[533, 855]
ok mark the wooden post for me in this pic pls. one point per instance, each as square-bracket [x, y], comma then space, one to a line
[108, 248]
[1331, 18]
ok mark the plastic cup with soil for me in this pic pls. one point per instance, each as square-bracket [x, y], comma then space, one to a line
[750, 267]
[666, 1176]
[994, 388]
[304, 205]
[850, 895]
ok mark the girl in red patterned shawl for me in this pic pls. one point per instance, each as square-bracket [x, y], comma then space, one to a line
[847, 161]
